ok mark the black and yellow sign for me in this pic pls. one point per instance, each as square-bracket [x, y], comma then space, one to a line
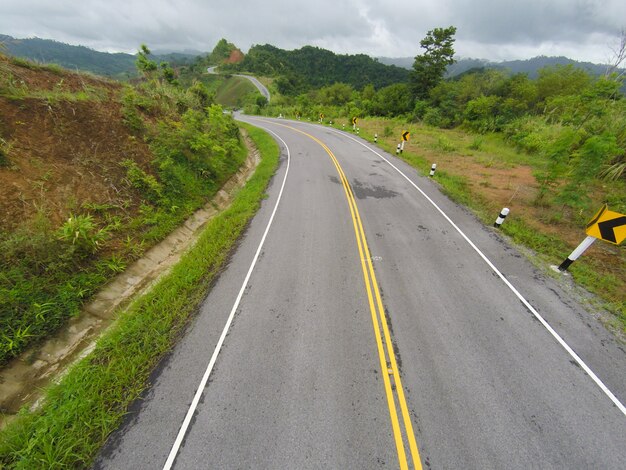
[321, 115]
[354, 120]
[406, 135]
[608, 226]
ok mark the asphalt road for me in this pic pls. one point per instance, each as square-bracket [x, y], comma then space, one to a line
[307, 377]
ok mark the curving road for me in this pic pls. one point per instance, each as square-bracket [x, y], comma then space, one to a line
[259, 86]
[378, 326]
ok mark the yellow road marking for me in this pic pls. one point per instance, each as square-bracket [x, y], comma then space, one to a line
[378, 314]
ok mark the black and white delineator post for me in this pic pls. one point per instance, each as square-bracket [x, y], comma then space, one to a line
[343, 126]
[398, 149]
[501, 217]
[402, 146]
[357, 130]
[586, 243]
[375, 138]
[432, 169]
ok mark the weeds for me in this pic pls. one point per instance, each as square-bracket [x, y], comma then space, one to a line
[445, 145]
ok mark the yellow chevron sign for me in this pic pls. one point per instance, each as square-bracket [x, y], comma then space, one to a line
[608, 226]
[406, 135]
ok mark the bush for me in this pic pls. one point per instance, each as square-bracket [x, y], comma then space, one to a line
[81, 232]
[145, 183]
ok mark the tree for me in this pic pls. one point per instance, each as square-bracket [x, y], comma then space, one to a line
[430, 67]
[144, 64]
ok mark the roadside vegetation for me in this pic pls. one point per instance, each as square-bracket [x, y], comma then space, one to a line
[90, 402]
[110, 170]
[563, 134]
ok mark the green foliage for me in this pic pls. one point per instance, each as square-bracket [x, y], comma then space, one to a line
[311, 67]
[337, 94]
[393, 100]
[221, 52]
[481, 114]
[147, 184]
[144, 64]
[430, 67]
[81, 231]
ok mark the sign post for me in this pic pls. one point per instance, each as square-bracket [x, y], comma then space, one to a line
[606, 225]
[405, 138]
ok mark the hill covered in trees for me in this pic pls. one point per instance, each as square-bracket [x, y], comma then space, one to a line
[47, 51]
[313, 67]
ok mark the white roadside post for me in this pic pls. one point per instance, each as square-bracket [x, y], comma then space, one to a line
[402, 146]
[398, 149]
[586, 243]
[432, 170]
[501, 217]
[375, 138]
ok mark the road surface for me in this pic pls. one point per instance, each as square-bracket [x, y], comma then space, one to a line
[374, 331]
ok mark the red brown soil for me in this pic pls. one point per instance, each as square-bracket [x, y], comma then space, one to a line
[63, 154]
[235, 57]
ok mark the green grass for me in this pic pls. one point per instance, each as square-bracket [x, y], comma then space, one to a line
[232, 92]
[89, 403]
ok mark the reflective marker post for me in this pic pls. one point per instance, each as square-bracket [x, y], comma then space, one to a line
[501, 217]
[586, 243]
[432, 169]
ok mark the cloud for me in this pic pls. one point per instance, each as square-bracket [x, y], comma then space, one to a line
[494, 29]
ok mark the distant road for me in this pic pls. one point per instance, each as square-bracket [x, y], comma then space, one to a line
[363, 312]
[262, 89]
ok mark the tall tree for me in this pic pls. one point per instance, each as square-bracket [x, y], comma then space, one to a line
[430, 67]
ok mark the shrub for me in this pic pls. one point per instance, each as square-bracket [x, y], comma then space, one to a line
[81, 232]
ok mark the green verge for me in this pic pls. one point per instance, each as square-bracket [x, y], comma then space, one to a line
[89, 403]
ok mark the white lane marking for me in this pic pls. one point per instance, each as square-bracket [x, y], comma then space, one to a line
[527, 304]
[196, 399]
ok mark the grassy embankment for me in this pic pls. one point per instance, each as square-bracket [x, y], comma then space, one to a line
[92, 174]
[486, 173]
[80, 412]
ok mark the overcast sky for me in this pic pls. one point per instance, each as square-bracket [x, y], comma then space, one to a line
[489, 29]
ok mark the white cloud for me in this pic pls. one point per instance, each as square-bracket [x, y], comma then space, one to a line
[494, 29]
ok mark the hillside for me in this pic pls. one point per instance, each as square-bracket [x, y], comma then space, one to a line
[315, 67]
[92, 173]
[80, 57]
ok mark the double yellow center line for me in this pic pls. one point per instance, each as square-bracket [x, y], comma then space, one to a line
[386, 355]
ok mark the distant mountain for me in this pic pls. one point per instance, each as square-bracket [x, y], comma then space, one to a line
[81, 57]
[528, 66]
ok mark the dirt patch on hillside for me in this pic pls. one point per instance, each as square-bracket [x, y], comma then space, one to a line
[64, 155]
[235, 57]
[53, 78]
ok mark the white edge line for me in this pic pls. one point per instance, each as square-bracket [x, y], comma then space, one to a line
[196, 399]
[527, 304]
